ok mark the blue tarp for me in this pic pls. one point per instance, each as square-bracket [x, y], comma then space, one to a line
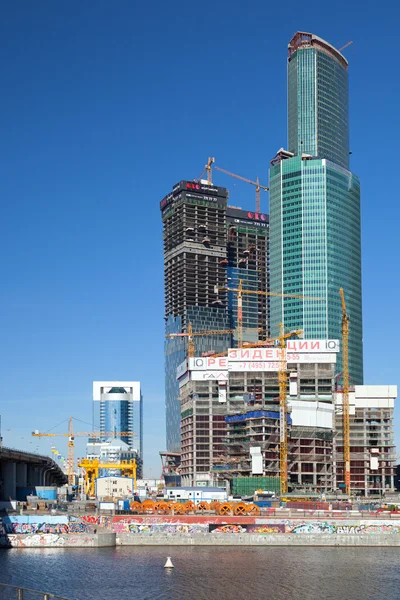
[256, 414]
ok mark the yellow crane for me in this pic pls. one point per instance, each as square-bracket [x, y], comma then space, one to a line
[71, 443]
[345, 395]
[92, 467]
[256, 183]
[282, 381]
[190, 334]
[240, 291]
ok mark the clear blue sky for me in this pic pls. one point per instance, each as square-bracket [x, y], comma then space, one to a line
[104, 106]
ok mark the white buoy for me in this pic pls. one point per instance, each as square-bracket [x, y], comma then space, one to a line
[168, 564]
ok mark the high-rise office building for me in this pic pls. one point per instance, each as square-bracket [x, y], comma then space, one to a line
[208, 245]
[121, 412]
[194, 225]
[315, 240]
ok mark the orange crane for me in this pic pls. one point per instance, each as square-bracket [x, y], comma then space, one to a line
[71, 443]
[346, 401]
[190, 334]
[257, 183]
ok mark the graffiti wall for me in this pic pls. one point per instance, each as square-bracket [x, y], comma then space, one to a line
[148, 528]
[41, 524]
[257, 525]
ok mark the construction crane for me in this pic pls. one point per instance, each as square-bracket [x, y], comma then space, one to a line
[345, 46]
[190, 334]
[208, 169]
[71, 435]
[256, 183]
[282, 381]
[92, 467]
[346, 402]
[240, 291]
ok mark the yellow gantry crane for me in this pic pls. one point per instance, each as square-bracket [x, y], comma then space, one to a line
[345, 395]
[256, 183]
[190, 334]
[92, 467]
[71, 443]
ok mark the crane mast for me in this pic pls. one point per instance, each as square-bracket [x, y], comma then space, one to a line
[71, 443]
[346, 402]
[283, 445]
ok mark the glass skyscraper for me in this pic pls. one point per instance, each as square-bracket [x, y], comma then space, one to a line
[121, 412]
[315, 237]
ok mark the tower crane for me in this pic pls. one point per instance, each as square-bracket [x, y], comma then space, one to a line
[190, 334]
[71, 435]
[256, 183]
[346, 402]
[240, 291]
[282, 378]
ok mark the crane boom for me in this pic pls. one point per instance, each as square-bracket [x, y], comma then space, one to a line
[346, 402]
[190, 334]
[71, 442]
[240, 291]
[256, 183]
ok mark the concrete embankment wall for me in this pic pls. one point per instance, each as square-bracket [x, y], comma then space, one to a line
[58, 540]
[229, 539]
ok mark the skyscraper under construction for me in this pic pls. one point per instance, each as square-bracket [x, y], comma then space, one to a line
[209, 246]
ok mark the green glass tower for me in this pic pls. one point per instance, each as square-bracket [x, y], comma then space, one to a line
[315, 234]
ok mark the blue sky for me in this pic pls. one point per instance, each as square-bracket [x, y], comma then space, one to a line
[104, 106]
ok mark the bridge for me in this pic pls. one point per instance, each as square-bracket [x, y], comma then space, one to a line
[21, 470]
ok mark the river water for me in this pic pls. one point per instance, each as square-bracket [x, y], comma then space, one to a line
[207, 573]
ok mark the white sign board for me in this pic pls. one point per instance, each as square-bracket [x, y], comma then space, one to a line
[255, 354]
[313, 345]
[255, 366]
[207, 364]
[294, 357]
[214, 375]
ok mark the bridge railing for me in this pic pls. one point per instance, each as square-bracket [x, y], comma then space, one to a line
[14, 592]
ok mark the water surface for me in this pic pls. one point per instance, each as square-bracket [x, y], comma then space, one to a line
[205, 573]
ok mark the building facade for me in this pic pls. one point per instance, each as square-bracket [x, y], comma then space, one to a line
[208, 246]
[315, 241]
[121, 414]
[372, 448]
[247, 241]
[230, 414]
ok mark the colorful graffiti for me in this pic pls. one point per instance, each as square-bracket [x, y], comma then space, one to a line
[228, 528]
[166, 528]
[40, 524]
[341, 529]
[103, 521]
[266, 528]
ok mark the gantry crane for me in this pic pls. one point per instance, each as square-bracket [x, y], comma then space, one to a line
[92, 467]
[345, 395]
[190, 334]
[71, 442]
[256, 183]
